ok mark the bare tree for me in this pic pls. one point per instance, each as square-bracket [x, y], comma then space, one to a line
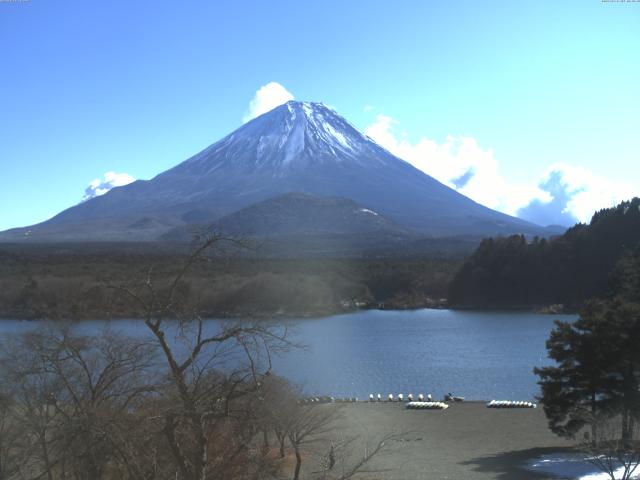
[189, 400]
[73, 399]
[278, 399]
[307, 425]
[314, 432]
[315, 435]
[345, 459]
[9, 434]
[616, 450]
[211, 367]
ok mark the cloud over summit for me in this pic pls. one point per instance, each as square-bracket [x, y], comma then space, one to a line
[267, 98]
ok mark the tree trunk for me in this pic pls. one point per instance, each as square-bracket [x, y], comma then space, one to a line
[201, 446]
[281, 439]
[45, 455]
[332, 458]
[174, 446]
[296, 473]
[625, 426]
[629, 405]
[594, 423]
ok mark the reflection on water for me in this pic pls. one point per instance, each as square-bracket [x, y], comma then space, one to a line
[479, 355]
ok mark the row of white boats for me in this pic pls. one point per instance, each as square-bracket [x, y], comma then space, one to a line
[420, 402]
[491, 404]
[510, 404]
[427, 405]
[400, 398]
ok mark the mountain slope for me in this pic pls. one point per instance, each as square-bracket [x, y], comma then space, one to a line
[296, 147]
[299, 214]
[298, 225]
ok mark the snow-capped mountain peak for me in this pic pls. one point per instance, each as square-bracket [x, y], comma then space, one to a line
[296, 147]
[292, 135]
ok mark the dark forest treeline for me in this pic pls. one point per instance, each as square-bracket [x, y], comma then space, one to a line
[514, 272]
[75, 283]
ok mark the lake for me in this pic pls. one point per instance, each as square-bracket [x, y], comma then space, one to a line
[478, 355]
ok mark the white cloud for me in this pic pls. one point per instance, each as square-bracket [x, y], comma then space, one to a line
[587, 192]
[562, 193]
[267, 98]
[458, 162]
[99, 187]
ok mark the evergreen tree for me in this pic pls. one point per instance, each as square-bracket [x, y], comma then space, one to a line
[577, 388]
[511, 272]
[597, 369]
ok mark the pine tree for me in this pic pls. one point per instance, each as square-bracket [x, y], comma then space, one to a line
[597, 369]
[577, 388]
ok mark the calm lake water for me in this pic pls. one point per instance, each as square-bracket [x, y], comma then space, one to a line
[479, 355]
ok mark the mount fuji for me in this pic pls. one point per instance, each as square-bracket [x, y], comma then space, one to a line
[299, 147]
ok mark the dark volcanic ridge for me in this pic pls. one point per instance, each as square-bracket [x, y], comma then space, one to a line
[303, 225]
[297, 214]
[300, 168]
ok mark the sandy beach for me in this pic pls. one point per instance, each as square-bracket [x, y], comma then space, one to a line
[466, 441]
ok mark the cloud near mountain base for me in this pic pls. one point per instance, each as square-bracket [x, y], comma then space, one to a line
[576, 194]
[460, 163]
[562, 194]
[554, 211]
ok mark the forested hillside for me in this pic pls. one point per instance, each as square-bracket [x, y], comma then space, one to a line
[78, 282]
[514, 272]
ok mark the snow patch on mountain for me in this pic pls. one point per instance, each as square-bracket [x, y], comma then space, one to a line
[366, 210]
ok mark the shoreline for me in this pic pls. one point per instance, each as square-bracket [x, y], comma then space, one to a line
[302, 315]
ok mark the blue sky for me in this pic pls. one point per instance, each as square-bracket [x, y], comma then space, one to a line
[533, 104]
